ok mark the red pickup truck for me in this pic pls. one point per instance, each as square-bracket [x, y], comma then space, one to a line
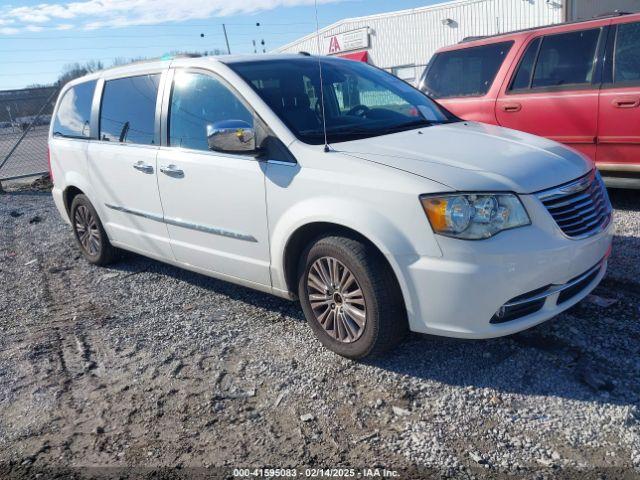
[576, 83]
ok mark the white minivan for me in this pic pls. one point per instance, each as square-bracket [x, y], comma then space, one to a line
[374, 206]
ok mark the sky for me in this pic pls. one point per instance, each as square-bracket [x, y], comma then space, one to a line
[39, 37]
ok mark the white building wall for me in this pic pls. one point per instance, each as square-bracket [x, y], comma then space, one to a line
[410, 37]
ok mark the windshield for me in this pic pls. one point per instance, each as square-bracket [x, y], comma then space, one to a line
[359, 100]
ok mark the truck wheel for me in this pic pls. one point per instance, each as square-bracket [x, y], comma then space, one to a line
[89, 232]
[350, 297]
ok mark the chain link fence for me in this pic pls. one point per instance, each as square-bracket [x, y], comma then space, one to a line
[24, 127]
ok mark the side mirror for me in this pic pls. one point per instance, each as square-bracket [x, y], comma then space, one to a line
[233, 136]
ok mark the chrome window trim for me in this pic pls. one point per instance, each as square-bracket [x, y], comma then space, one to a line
[282, 162]
[212, 153]
[181, 223]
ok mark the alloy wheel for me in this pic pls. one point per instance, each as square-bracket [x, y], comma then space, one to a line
[87, 230]
[336, 299]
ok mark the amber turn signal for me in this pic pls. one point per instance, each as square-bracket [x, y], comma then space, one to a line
[435, 208]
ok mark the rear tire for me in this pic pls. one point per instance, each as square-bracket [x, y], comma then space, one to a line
[350, 297]
[89, 232]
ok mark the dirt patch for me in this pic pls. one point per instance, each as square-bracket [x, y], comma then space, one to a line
[142, 367]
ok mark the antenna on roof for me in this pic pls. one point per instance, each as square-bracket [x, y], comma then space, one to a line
[324, 122]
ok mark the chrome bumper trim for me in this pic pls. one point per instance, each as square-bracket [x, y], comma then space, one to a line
[618, 167]
[554, 289]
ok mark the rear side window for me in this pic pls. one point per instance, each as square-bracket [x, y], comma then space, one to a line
[198, 102]
[465, 72]
[525, 69]
[566, 59]
[73, 117]
[627, 54]
[128, 110]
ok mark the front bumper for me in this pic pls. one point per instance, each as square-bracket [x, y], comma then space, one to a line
[461, 293]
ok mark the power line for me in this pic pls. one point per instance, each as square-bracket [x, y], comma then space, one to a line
[111, 37]
[22, 86]
[30, 73]
[77, 60]
[112, 47]
[80, 37]
[173, 25]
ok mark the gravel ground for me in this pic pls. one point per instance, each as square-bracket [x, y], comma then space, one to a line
[146, 365]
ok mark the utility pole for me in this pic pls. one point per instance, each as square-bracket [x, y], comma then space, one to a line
[226, 38]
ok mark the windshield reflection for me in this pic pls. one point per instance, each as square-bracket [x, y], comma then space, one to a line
[359, 100]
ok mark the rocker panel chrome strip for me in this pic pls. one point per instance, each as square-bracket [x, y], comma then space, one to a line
[181, 223]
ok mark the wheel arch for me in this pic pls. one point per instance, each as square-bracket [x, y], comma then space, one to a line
[68, 195]
[73, 183]
[305, 234]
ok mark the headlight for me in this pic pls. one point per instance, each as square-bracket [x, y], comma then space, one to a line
[474, 216]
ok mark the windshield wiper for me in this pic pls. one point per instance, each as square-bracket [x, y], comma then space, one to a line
[340, 134]
[382, 131]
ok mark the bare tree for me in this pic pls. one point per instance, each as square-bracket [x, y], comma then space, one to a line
[119, 61]
[75, 70]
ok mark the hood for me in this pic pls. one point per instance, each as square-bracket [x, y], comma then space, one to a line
[469, 156]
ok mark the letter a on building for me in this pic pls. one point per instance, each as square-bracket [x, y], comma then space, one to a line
[334, 46]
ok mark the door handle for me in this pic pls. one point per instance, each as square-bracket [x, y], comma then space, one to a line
[626, 102]
[511, 107]
[171, 170]
[143, 167]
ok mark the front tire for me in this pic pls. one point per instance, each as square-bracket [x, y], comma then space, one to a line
[350, 297]
[89, 232]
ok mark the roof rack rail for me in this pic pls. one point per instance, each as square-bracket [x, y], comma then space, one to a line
[615, 13]
[172, 56]
[472, 38]
[187, 55]
[163, 58]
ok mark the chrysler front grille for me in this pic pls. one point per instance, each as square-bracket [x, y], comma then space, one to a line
[580, 208]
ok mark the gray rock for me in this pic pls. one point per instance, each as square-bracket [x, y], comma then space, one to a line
[400, 412]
